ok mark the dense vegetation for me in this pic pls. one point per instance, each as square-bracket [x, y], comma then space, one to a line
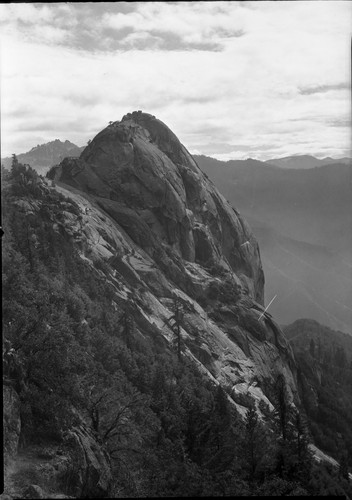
[324, 359]
[70, 353]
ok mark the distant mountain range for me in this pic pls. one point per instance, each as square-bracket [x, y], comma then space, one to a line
[44, 156]
[302, 220]
[305, 161]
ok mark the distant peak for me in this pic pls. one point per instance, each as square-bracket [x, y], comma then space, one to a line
[293, 157]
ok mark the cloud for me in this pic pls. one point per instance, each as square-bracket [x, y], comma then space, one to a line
[83, 100]
[171, 27]
[222, 148]
[320, 89]
[199, 99]
[120, 26]
[26, 13]
[219, 74]
[174, 41]
[43, 126]
[55, 35]
[57, 125]
[343, 122]
[185, 26]
[159, 40]
[213, 148]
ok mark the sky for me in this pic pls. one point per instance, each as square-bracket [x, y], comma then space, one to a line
[231, 79]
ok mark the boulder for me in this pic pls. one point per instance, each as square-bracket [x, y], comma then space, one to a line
[88, 473]
[12, 421]
[34, 491]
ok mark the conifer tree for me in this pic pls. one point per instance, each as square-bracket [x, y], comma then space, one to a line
[281, 407]
[293, 457]
[251, 425]
[312, 348]
[127, 327]
[14, 161]
[175, 322]
[343, 466]
[218, 446]
[302, 456]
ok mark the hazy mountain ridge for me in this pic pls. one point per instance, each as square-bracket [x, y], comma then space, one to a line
[302, 331]
[302, 219]
[44, 156]
[309, 280]
[306, 161]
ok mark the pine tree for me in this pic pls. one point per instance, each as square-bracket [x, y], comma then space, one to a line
[251, 426]
[126, 322]
[300, 448]
[281, 407]
[312, 347]
[343, 466]
[283, 427]
[14, 161]
[175, 322]
[293, 457]
[218, 445]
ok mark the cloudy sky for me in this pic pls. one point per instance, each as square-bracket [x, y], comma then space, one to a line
[231, 79]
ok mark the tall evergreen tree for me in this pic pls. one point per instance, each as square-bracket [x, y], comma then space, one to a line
[175, 322]
[250, 442]
[312, 347]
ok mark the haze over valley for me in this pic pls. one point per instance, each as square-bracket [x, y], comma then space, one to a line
[302, 219]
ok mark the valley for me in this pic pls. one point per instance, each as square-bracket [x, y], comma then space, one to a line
[302, 219]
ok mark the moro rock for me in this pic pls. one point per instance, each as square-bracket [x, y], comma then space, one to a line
[167, 235]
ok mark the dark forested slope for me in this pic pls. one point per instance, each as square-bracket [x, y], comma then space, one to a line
[324, 359]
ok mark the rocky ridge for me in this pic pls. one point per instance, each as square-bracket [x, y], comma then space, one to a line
[162, 232]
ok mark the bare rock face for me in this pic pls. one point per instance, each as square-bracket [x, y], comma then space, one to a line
[141, 164]
[88, 474]
[164, 231]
